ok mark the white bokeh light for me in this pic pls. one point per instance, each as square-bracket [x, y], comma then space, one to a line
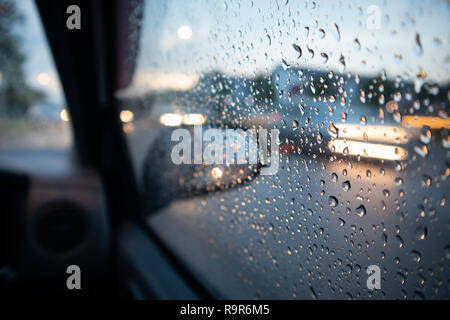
[43, 78]
[184, 32]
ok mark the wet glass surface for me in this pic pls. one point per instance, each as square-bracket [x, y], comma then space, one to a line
[359, 92]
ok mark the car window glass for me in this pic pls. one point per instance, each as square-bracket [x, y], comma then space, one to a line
[358, 92]
[32, 107]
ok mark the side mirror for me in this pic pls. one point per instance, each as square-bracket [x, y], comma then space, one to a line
[189, 161]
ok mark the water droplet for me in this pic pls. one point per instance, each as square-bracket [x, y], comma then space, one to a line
[313, 293]
[362, 96]
[391, 106]
[356, 44]
[333, 131]
[311, 52]
[345, 151]
[346, 185]
[399, 241]
[421, 150]
[445, 139]
[321, 33]
[425, 134]
[298, 49]
[400, 277]
[397, 117]
[332, 201]
[365, 136]
[381, 112]
[306, 32]
[384, 239]
[363, 120]
[398, 57]
[418, 49]
[334, 177]
[361, 211]
[416, 256]
[342, 62]
[337, 32]
[447, 252]
[421, 232]
[426, 181]
[319, 137]
[302, 109]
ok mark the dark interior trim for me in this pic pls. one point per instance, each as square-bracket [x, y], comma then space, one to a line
[86, 62]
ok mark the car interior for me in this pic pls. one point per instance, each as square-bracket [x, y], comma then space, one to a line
[353, 97]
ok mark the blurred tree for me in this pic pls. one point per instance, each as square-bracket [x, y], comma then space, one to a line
[16, 96]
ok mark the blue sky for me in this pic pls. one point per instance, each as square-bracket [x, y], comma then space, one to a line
[38, 56]
[233, 36]
[253, 36]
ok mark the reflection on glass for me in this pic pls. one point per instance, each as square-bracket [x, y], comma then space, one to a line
[368, 150]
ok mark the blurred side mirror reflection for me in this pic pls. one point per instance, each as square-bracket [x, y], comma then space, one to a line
[166, 178]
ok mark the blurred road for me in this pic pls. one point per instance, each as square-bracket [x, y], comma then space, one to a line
[312, 230]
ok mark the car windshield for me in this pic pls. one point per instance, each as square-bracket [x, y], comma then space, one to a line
[354, 97]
